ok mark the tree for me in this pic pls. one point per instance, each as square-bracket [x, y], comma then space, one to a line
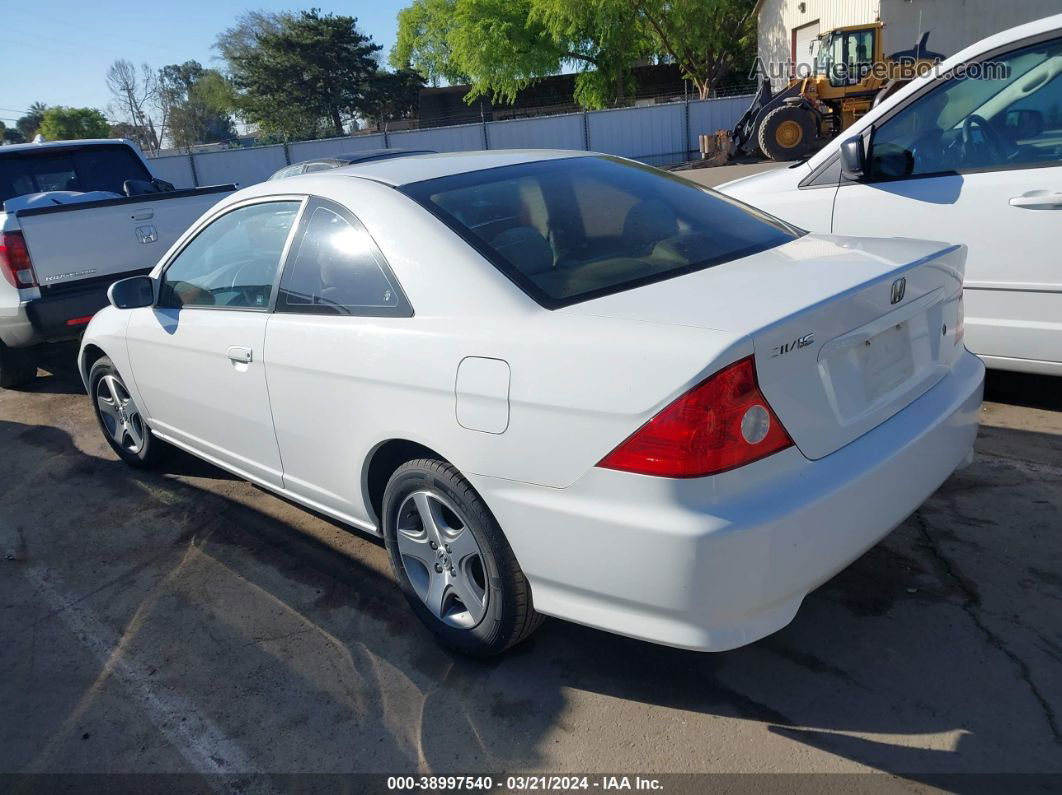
[502, 46]
[706, 38]
[300, 75]
[393, 95]
[196, 104]
[422, 43]
[64, 124]
[134, 91]
[28, 124]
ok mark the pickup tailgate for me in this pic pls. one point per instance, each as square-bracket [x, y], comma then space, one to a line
[846, 331]
[68, 243]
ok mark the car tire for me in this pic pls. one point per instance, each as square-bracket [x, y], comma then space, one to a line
[120, 419]
[18, 367]
[787, 133]
[504, 615]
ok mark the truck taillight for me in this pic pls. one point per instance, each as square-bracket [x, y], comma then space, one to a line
[723, 423]
[15, 260]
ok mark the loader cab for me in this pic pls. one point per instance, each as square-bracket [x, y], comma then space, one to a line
[846, 55]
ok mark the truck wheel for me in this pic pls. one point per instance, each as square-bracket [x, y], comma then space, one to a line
[787, 133]
[18, 366]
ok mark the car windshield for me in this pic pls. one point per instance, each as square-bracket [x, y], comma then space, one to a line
[102, 167]
[571, 229]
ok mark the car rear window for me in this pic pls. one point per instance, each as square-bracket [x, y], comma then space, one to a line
[571, 229]
[104, 167]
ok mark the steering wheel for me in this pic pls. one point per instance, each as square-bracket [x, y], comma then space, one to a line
[992, 139]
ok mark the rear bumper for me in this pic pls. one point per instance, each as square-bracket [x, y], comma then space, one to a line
[715, 563]
[49, 315]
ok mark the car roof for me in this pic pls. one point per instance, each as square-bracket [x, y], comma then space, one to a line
[373, 154]
[13, 148]
[399, 171]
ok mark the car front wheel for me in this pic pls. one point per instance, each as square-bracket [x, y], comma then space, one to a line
[119, 417]
[452, 561]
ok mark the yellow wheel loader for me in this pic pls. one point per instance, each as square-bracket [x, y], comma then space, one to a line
[851, 75]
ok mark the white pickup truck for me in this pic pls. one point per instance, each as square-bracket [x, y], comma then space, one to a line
[76, 217]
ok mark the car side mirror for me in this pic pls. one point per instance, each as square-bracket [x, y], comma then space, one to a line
[853, 159]
[132, 293]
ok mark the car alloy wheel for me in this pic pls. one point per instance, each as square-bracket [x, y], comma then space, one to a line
[442, 559]
[119, 415]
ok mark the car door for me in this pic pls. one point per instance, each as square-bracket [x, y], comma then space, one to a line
[976, 158]
[198, 355]
[328, 343]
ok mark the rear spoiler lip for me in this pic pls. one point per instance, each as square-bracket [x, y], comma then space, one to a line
[147, 197]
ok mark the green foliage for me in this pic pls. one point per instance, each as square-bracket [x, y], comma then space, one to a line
[197, 104]
[706, 38]
[422, 43]
[393, 95]
[65, 124]
[299, 75]
[501, 46]
[28, 124]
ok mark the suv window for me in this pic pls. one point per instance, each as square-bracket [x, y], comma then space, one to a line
[571, 229]
[338, 270]
[233, 261]
[1004, 115]
[102, 167]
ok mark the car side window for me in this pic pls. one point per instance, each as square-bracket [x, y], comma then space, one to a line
[233, 261]
[336, 269]
[1001, 113]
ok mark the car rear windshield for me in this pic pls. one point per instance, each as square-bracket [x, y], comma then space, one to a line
[571, 229]
[81, 169]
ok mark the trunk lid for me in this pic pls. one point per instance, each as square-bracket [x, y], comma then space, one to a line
[846, 331]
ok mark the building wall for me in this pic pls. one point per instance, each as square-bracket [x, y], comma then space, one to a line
[778, 19]
[952, 24]
[955, 24]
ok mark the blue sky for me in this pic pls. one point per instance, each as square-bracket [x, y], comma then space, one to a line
[57, 51]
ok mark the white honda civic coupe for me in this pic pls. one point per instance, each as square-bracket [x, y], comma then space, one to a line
[556, 383]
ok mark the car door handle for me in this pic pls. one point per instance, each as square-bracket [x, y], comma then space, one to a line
[1038, 200]
[240, 354]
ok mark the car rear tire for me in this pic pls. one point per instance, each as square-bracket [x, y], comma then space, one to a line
[787, 133]
[452, 561]
[120, 419]
[18, 367]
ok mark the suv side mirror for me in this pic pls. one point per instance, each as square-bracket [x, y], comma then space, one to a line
[132, 293]
[853, 158]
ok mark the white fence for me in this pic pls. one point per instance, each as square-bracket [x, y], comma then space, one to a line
[655, 134]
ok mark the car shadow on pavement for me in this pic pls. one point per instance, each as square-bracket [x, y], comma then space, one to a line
[936, 652]
[58, 362]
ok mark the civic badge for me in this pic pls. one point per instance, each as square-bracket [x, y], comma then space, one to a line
[899, 287]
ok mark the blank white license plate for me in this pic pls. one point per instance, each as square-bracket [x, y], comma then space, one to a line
[887, 361]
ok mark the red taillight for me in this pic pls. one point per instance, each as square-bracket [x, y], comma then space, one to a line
[79, 321]
[15, 260]
[723, 423]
